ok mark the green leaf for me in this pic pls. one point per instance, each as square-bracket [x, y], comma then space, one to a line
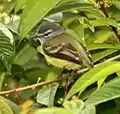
[67, 1]
[46, 95]
[74, 106]
[51, 111]
[9, 6]
[104, 22]
[34, 11]
[100, 71]
[13, 26]
[2, 75]
[6, 49]
[97, 56]
[19, 5]
[95, 46]
[77, 6]
[6, 32]
[103, 35]
[108, 92]
[89, 110]
[24, 55]
[4, 107]
[13, 106]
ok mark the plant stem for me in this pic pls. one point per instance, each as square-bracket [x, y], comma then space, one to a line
[102, 5]
[66, 76]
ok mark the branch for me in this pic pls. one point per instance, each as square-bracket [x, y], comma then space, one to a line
[33, 86]
[102, 5]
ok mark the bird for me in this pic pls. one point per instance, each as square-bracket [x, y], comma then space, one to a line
[60, 48]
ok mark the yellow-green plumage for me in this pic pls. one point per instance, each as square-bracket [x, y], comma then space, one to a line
[58, 62]
[64, 39]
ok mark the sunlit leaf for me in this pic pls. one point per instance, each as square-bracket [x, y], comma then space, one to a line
[51, 111]
[108, 92]
[77, 6]
[6, 50]
[89, 110]
[19, 4]
[95, 46]
[104, 22]
[101, 71]
[46, 95]
[74, 106]
[24, 55]
[4, 107]
[37, 8]
[97, 56]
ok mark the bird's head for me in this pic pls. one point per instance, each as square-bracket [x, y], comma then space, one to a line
[46, 31]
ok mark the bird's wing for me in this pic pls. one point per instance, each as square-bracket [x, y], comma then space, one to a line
[64, 51]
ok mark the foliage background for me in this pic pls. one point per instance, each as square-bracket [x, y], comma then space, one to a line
[95, 23]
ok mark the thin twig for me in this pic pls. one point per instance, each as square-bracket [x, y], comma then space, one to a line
[33, 86]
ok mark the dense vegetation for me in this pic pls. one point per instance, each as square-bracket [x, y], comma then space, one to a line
[28, 83]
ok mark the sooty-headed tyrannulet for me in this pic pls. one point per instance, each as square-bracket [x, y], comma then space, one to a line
[60, 48]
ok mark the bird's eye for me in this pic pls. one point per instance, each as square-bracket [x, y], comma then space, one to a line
[37, 41]
[47, 32]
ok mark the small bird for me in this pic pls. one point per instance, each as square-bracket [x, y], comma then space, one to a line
[60, 49]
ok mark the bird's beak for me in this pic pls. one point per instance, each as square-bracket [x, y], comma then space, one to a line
[34, 36]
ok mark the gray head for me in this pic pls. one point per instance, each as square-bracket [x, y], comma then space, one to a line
[46, 31]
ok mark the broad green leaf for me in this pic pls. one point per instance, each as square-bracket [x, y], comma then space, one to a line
[117, 4]
[76, 30]
[89, 110]
[13, 26]
[104, 22]
[74, 106]
[107, 92]
[19, 5]
[79, 30]
[13, 106]
[100, 71]
[34, 11]
[77, 6]
[2, 75]
[75, 35]
[105, 34]
[34, 73]
[6, 50]
[67, 1]
[95, 46]
[51, 111]
[97, 56]
[7, 33]
[99, 36]
[114, 13]
[46, 95]
[4, 107]
[9, 6]
[53, 73]
[24, 55]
